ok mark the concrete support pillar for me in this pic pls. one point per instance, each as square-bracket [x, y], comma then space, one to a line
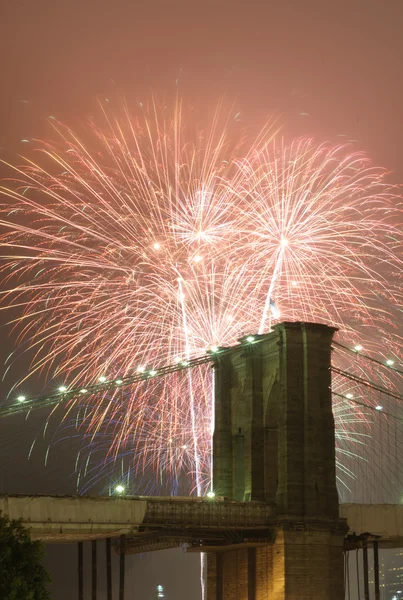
[94, 569]
[365, 569]
[376, 571]
[80, 571]
[122, 557]
[108, 556]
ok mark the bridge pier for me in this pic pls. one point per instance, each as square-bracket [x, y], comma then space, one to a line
[80, 565]
[108, 557]
[275, 394]
[298, 565]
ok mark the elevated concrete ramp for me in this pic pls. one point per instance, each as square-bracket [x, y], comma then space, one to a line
[68, 518]
[383, 520]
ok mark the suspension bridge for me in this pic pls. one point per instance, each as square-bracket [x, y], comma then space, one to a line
[277, 526]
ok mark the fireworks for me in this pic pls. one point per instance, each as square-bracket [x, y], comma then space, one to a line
[149, 239]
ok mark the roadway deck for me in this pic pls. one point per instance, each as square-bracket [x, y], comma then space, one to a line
[154, 523]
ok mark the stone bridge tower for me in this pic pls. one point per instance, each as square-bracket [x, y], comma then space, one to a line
[274, 442]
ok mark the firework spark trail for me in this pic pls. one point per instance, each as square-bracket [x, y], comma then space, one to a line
[190, 390]
[156, 238]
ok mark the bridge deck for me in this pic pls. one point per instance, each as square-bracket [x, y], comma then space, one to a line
[165, 522]
[383, 520]
[69, 518]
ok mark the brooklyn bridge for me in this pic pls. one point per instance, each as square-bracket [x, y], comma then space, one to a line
[273, 527]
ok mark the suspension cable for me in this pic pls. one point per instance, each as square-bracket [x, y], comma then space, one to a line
[54, 399]
[367, 383]
[25, 404]
[366, 357]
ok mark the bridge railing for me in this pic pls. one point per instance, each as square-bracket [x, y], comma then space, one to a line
[205, 514]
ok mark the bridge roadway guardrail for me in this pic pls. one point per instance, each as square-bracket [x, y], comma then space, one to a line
[202, 513]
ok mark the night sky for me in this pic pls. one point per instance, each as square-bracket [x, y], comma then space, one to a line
[330, 69]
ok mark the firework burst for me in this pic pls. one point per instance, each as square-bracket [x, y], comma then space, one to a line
[149, 239]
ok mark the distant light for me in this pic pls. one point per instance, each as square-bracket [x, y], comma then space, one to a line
[379, 407]
[283, 242]
[197, 258]
[184, 447]
[390, 362]
[294, 283]
[119, 489]
[211, 494]
[358, 348]
[177, 360]
[250, 338]
[349, 396]
[62, 388]
[185, 363]
[214, 348]
[152, 373]
[102, 379]
[141, 369]
[157, 246]
[83, 391]
[119, 381]
[21, 398]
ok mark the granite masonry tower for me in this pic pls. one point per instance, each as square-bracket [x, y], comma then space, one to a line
[274, 442]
